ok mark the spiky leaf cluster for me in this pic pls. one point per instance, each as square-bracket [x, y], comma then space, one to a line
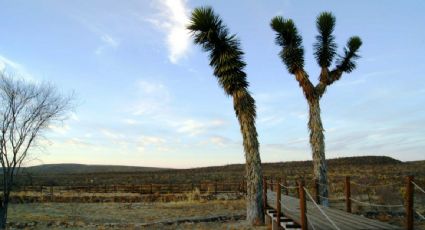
[287, 37]
[224, 49]
[325, 46]
[347, 62]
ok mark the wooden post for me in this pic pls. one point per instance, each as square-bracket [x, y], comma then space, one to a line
[278, 200]
[215, 187]
[285, 182]
[303, 206]
[347, 194]
[264, 194]
[245, 187]
[316, 190]
[409, 203]
[151, 189]
[41, 192]
[271, 184]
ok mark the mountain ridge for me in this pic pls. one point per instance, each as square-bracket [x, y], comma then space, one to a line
[74, 168]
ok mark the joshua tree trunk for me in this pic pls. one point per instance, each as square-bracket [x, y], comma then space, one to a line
[317, 144]
[244, 106]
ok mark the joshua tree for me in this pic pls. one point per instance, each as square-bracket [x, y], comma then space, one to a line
[225, 55]
[292, 54]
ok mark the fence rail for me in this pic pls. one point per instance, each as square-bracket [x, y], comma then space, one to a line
[212, 187]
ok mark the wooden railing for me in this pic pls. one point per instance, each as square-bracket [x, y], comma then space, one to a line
[278, 186]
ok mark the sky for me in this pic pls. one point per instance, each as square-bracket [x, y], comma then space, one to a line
[146, 96]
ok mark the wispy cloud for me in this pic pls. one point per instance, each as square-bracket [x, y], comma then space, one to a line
[13, 67]
[60, 129]
[153, 142]
[195, 127]
[114, 136]
[172, 20]
[154, 97]
[220, 141]
[107, 42]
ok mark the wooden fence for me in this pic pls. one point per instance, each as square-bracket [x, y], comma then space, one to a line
[278, 186]
[211, 187]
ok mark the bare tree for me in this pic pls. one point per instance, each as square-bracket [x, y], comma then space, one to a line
[26, 110]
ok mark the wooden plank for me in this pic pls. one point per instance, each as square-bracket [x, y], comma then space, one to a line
[342, 219]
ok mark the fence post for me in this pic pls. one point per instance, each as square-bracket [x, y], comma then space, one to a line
[215, 187]
[245, 187]
[264, 193]
[347, 194]
[41, 192]
[409, 203]
[303, 207]
[278, 200]
[285, 182]
[151, 189]
[316, 190]
[271, 184]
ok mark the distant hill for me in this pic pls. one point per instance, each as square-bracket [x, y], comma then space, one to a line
[77, 174]
[82, 168]
[349, 161]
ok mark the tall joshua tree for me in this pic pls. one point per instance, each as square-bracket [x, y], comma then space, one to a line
[292, 54]
[225, 55]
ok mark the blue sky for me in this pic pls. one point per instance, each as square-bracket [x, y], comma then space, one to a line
[146, 95]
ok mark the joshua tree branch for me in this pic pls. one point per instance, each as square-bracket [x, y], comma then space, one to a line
[302, 77]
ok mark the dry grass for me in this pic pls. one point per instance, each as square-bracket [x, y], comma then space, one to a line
[128, 215]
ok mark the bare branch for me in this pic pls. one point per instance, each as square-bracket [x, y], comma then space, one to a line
[26, 109]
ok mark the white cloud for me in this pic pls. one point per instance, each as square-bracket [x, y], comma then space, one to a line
[158, 143]
[107, 39]
[150, 87]
[154, 98]
[129, 121]
[112, 135]
[172, 20]
[194, 127]
[220, 141]
[74, 117]
[7, 64]
[77, 142]
[61, 129]
[151, 140]
[107, 42]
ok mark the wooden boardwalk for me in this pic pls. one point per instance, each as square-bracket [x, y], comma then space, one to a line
[290, 207]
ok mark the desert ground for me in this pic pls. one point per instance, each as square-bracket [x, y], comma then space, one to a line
[202, 198]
